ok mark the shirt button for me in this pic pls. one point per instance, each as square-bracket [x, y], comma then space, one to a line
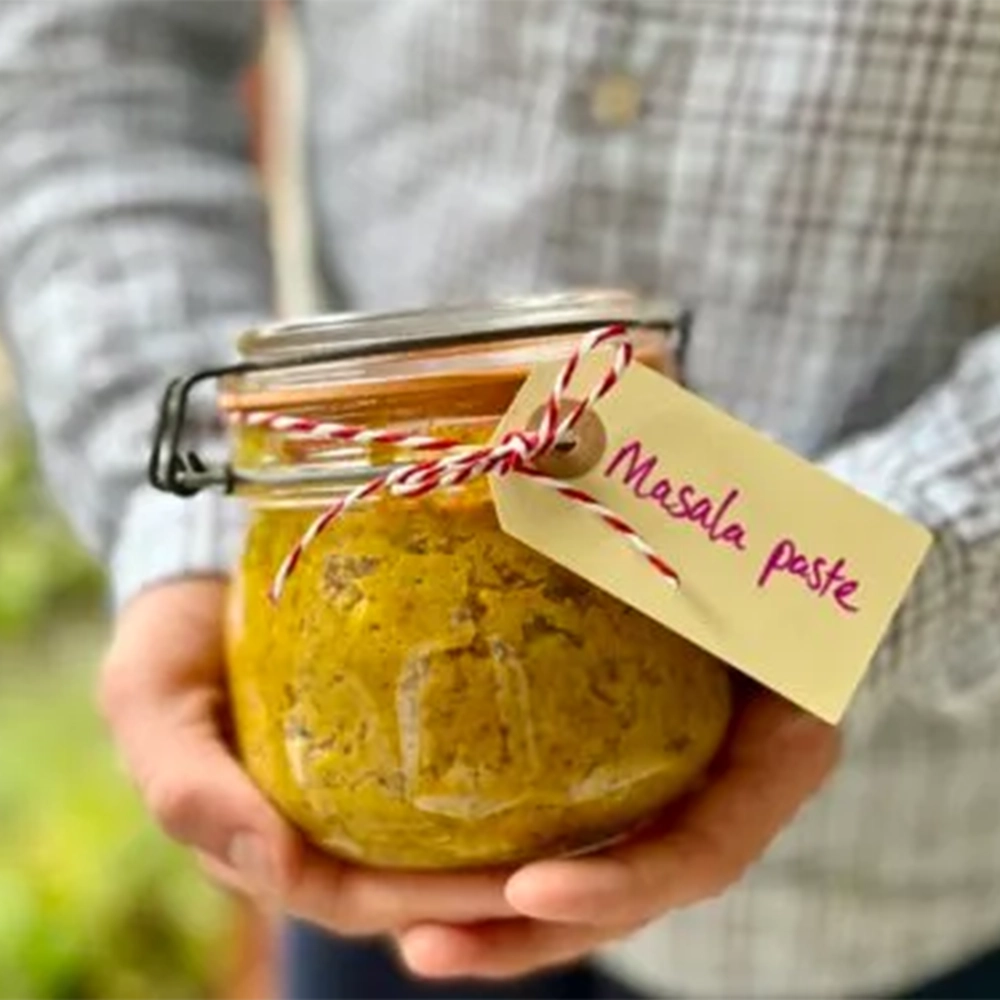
[615, 100]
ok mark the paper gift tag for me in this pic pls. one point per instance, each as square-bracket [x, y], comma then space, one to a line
[785, 573]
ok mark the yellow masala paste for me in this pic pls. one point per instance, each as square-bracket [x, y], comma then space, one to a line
[430, 693]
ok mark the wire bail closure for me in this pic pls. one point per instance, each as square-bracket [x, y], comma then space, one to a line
[181, 471]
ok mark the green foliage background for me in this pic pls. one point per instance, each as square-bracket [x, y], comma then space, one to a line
[94, 902]
[42, 570]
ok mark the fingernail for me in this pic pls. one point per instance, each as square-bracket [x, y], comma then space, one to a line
[248, 855]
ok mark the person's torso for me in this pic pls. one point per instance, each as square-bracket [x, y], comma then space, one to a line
[820, 183]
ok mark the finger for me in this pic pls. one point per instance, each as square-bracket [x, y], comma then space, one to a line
[196, 791]
[163, 702]
[201, 797]
[228, 879]
[498, 950]
[213, 807]
[358, 901]
[161, 694]
[224, 876]
[777, 758]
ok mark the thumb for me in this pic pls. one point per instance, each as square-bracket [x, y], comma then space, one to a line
[162, 694]
[200, 796]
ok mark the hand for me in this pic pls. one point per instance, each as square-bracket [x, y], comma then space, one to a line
[778, 756]
[161, 691]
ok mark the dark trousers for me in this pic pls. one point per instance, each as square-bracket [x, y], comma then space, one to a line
[319, 967]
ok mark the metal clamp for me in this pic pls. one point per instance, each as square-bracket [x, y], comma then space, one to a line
[172, 469]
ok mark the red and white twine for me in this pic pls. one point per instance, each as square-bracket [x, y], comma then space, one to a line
[515, 453]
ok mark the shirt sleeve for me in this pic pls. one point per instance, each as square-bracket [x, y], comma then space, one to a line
[133, 247]
[939, 464]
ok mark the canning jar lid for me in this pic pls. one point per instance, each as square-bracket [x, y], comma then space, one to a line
[453, 324]
[416, 358]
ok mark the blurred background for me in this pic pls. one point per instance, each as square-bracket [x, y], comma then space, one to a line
[94, 901]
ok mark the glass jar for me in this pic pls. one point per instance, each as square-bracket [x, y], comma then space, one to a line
[429, 692]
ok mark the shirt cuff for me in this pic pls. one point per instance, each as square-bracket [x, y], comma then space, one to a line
[880, 472]
[165, 538]
[936, 651]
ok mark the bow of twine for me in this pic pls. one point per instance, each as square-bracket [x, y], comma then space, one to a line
[516, 453]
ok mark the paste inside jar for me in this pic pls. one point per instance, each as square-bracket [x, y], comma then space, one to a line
[431, 693]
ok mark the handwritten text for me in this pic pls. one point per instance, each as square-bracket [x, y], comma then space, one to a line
[716, 518]
[683, 502]
[820, 575]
